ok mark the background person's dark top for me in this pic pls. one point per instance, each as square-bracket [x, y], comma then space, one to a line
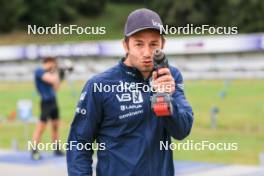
[44, 89]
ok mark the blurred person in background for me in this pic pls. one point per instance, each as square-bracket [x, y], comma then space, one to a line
[47, 82]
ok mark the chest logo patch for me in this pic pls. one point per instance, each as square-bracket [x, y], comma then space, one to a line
[135, 96]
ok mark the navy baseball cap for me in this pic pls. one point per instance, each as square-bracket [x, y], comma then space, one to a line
[141, 19]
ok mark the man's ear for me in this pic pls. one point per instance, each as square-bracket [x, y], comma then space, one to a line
[125, 45]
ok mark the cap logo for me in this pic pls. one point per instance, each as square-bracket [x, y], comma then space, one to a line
[155, 23]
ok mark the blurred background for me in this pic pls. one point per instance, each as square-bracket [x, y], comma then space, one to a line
[223, 76]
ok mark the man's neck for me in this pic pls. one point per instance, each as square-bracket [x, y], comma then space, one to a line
[144, 74]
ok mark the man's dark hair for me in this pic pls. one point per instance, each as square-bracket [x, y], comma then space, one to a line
[49, 59]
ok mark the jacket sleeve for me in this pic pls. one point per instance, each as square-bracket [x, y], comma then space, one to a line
[83, 132]
[180, 123]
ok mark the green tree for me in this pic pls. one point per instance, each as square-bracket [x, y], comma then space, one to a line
[247, 15]
[11, 12]
[43, 13]
[88, 7]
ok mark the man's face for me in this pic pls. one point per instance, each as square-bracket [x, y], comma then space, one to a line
[51, 65]
[140, 47]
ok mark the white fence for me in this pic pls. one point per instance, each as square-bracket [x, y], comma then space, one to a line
[245, 66]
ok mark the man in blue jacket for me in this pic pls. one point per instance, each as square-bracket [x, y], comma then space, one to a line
[121, 120]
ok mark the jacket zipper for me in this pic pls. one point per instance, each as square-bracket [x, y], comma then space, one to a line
[148, 130]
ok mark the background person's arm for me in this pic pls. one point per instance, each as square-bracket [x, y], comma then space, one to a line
[83, 131]
[51, 78]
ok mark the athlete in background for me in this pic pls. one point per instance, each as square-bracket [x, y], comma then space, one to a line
[47, 83]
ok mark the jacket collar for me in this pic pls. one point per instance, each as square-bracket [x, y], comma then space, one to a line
[130, 71]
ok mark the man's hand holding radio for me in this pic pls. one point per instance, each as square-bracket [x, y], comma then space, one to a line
[164, 83]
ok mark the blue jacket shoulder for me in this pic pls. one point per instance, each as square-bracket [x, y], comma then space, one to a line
[176, 74]
[106, 76]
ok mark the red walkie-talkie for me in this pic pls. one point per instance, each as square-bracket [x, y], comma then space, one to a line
[161, 102]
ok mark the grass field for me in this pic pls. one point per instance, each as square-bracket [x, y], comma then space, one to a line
[240, 120]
